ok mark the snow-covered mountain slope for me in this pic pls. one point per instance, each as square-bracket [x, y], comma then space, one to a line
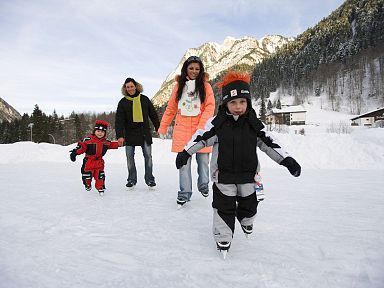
[219, 57]
[7, 112]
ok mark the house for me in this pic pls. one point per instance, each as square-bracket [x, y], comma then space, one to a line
[290, 115]
[368, 119]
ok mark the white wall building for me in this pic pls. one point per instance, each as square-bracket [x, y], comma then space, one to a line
[292, 115]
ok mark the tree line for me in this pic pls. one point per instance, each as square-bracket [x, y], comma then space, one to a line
[40, 127]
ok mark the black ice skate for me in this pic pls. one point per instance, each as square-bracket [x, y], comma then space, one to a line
[223, 247]
[151, 185]
[180, 203]
[247, 229]
[130, 185]
[205, 193]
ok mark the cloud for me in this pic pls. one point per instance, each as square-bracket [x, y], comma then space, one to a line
[68, 52]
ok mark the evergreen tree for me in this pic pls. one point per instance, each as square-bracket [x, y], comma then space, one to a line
[269, 105]
[23, 130]
[79, 131]
[278, 104]
[39, 129]
[262, 111]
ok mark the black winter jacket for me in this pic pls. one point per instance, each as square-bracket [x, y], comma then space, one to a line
[135, 133]
[237, 158]
[234, 157]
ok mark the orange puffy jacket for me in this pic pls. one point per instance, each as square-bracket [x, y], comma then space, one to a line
[186, 126]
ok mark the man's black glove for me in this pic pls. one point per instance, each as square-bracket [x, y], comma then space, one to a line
[182, 159]
[293, 167]
[73, 155]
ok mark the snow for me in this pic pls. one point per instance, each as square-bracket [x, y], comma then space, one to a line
[323, 229]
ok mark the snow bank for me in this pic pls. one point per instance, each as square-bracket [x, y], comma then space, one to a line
[362, 149]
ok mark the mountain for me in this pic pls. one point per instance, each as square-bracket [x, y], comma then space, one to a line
[246, 52]
[7, 112]
[340, 60]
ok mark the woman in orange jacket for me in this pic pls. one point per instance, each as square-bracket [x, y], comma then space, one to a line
[193, 103]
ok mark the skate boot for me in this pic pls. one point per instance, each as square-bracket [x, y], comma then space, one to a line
[88, 188]
[247, 229]
[151, 185]
[223, 248]
[205, 193]
[130, 184]
[180, 203]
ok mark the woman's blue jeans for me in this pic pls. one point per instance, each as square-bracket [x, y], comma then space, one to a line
[185, 176]
[147, 153]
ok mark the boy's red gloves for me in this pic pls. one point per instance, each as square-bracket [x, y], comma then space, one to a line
[293, 167]
[182, 159]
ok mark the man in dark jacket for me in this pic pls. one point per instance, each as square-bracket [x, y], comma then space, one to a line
[132, 129]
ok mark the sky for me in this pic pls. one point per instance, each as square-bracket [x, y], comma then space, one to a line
[322, 229]
[74, 55]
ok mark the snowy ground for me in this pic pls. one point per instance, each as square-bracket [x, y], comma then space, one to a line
[323, 229]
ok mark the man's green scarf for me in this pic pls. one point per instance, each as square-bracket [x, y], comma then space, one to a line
[137, 111]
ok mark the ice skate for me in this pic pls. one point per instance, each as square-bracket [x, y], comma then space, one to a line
[151, 185]
[223, 248]
[205, 193]
[180, 203]
[247, 229]
[130, 185]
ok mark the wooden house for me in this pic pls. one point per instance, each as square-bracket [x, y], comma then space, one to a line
[369, 118]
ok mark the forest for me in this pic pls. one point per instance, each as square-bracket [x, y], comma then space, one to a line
[342, 57]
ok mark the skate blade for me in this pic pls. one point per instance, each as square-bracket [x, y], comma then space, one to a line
[180, 206]
[224, 253]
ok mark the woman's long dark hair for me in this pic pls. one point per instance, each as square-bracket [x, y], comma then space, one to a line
[199, 86]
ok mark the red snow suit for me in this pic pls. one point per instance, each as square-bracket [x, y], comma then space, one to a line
[93, 163]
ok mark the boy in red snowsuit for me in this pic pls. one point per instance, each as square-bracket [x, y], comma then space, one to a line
[94, 146]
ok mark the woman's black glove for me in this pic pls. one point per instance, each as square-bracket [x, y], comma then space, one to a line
[182, 159]
[73, 155]
[293, 167]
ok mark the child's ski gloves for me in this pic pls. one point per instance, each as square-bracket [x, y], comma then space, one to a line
[293, 167]
[73, 155]
[182, 159]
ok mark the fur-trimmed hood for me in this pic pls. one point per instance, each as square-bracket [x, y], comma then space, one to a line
[139, 89]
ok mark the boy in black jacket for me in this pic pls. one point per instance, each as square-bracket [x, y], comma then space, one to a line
[234, 133]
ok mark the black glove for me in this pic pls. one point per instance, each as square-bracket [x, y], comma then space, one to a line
[182, 159]
[293, 167]
[73, 155]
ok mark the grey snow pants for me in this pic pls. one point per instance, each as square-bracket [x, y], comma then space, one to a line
[232, 201]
